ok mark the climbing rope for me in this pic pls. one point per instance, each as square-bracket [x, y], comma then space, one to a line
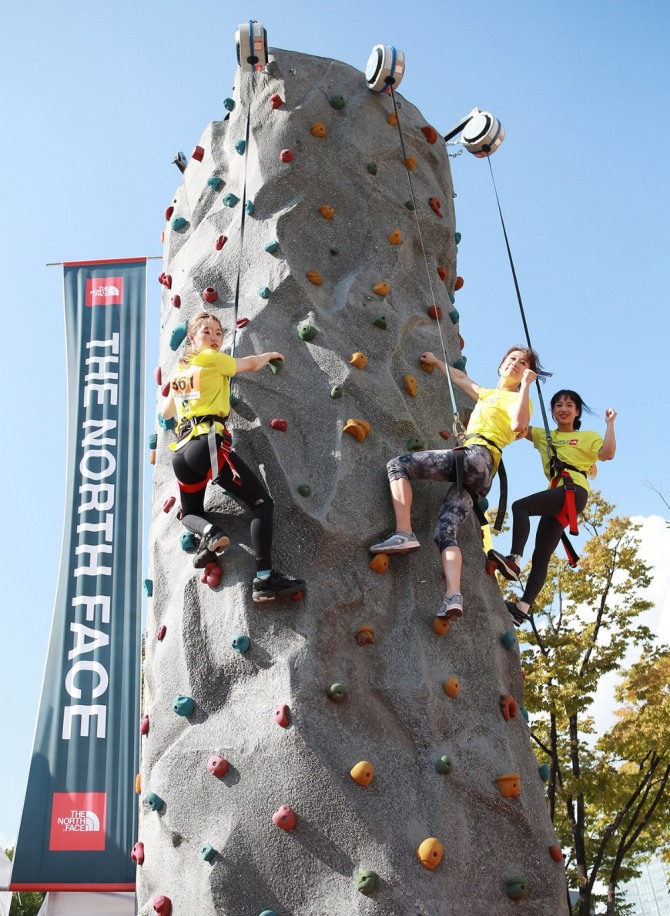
[236, 302]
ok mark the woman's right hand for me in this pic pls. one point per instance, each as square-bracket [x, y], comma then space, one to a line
[528, 377]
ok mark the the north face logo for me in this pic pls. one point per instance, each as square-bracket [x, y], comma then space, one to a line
[78, 821]
[104, 291]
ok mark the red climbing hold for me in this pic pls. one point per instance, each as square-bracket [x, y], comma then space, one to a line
[442, 273]
[160, 632]
[286, 155]
[210, 294]
[198, 153]
[435, 205]
[165, 280]
[434, 312]
[168, 212]
[165, 389]
[555, 853]
[220, 242]
[284, 817]
[281, 715]
[176, 301]
[281, 425]
[276, 101]
[459, 283]
[297, 596]
[137, 854]
[429, 133]
[162, 905]
[158, 375]
[168, 504]
[508, 707]
[144, 725]
[242, 322]
[217, 766]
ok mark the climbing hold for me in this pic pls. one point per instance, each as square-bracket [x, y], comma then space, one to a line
[264, 292]
[281, 715]
[178, 334]
[228, 104]
[207, 852]
[337, 692]
[354, 429]
[155, 802]
[153, 440]
[460, 363]
[217, 765]
[220, 242]
[415, 444]
[365, 635]
[362, 773]
[306, 331]
[160, 632]
[508, 707]
[187, 540]
[410, 385]
[276, 101]
[524, 713]
[314, 277]
[427, 367]
[380, 322]
[211, 575]
[459, 283]
[149, 587]
[451, 687]
[372, 168]
[359, 360]
[435, 205]
[454, 314]
[165, 280]
[379, 563]
[162, 905]
[284, 817]
[276, 365]
[165, 389]
[457, 237]
[434, 312]
[179, 223]
[517, 887]
[176, 301]
[410, 162]
[545, 772]
[198, 153]
[268, 913]
[229, 200]
[366, 881]
[508, 639]
[336, 392]
[442, 273]
[138, 784]
[215, 182]
[240, 146]
[452, 298]
[158, 375]
[144, 725]
[250, 207]
[271, 246]
[280, 425]
[394, 237]
[286, 156]
[334, 251]
[210, 294]
[392, 119]
[152, 457]
[443, 764]
[166, 424]
[240, 643]
[337, 101]
[555, 853]
[440, 625]
[326, 211]
[318, 130]
[304, 489]
[137, 854]
[509, 785]
[410, 204]
[183, 706]
[430, 853]
[168, 213]
[429, 133]
[382, 288]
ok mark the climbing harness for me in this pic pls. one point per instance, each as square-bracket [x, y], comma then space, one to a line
[218, 456]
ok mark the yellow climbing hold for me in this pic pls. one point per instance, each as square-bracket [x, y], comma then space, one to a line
[410, 385]
[410, 162]
[395, 237]
[357, 428]
[382, 288]
[359, 360]
[314, 277]
[362, 773]
[392, 119]
[380, 563]
[318, 129]
[451, 687]
[326, 211]
[430, 853]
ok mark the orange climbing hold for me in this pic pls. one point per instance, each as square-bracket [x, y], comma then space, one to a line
[410, 162]
[410, 385]
[429, 133]
[326, 211]
[430, 853]
[434, 312]
[459, 283]
[442, 273]
[382, 288]
[359, 360]
[365, 635]
[508, 707]
[490, 566]
[314, 277]
[138, 784]
[451, 687]
[362, 773]
[555, 853]
[392, 119]
[379, 563]
[427, 367]
[354, 429]
[394, 237]
[509, 785]
[318, 130]
[435, 205]
[440, 625]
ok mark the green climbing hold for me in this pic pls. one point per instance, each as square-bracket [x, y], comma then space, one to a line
[179, 223]
[229, 200]
[508, 639]
[372, 168]
[380, 322]
[366, 881]
[337, 101]
[306, 331]
[241, 643]
[187, 540]
[336, 392]
[250, 207]
[460, 363]
[545, 772]
[215, 182]
[272, 246]
[415, 444]
[443, 764]
[153, 440]
[228, 104]
[179, 332]
[149, 587]
[337, 692]
[240, 146]
[517, 887]
[304, 489]
[409, 204]
[264, 292]
[183, 706]
[454, 314]
[207, 852]
[334, 252]
[276, 365]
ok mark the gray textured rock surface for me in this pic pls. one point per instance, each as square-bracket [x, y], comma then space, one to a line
[396, 713]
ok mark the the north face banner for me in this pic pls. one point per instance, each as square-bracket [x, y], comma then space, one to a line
[80, 814]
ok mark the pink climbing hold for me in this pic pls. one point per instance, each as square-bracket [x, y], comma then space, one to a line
[160, 632]
[210, 294]
[435, 205]
[286, 155]
[281, 425]
[211, 575]
[169, 503]
[176, 301]
[165, 280]
[162, 905]
[220, 242]
[242, 322]
[144, 725]
[198, 153]
[217, 765]
[284, 817]
[158, 375]
[137, 854]
[276, 101]
[168, 212]
[281, 715]
[459, 283]
[165, 389]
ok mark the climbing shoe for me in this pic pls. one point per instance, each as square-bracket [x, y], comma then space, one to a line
[400, 542]
[505, 565]
[451, 607]
[518, 616]
[211, 545]
[276, 586]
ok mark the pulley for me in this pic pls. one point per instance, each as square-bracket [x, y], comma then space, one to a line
[252, 45]
[481, 133]
[385, 68]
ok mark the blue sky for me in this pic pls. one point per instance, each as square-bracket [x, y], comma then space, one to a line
[98, 98]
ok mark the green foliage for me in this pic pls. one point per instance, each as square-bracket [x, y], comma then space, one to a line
[27, 904]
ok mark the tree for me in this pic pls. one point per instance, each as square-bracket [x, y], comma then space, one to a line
[24, 904]
[608, 792]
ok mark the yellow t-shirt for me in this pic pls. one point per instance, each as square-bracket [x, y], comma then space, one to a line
[201, 387]
[578, 448]
[492, 417]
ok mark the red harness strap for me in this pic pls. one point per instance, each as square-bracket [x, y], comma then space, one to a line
[568, 514]
[223, 457]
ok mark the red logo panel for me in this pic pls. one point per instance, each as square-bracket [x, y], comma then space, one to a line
[78, 821]
[104, 291]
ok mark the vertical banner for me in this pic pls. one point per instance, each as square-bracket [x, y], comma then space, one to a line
[79, 817]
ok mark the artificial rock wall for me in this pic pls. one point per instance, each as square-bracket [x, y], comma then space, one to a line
[211, 846]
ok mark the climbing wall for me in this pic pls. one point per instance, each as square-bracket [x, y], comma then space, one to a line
[338, 754]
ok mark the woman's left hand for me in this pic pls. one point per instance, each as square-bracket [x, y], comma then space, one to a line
[610, 415]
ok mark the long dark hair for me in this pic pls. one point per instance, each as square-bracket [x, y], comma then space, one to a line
[533, 361]
[577, 401]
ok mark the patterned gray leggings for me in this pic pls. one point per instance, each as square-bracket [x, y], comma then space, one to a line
[440, 464]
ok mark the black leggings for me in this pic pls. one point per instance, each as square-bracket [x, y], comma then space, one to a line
[547, 504]
[191, 464]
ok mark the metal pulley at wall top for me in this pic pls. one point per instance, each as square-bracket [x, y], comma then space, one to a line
[481, 133]
[385, 68]
[252, 45]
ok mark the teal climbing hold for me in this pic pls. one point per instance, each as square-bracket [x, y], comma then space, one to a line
[483, 504]
[524, 713]
[336, 392]
[264, 292]
[215, 182]
[304, 489]
[372, 168]
[452, 298]
[268, 913]
[337, 101]
[415, 444]
[276, 365]
[179, 223]
[509, 639]
[240, 146]
[272, 246]
[183, 706]
[178, 335]
[306, 331]
[149, 587]
[443, 764]
[457, 238]
[228, 104]
[380, 322]
[187, 540]
[166, 424]
[250, 207]
[460, 363]
[517, 887]
[409, 204]
[153, 440]
[337, 692]
[229, 200]
[545, 772]
[207, 852]
[240, 643]
[155, 802]
[366, 881]
[454, 314]
[234, 400]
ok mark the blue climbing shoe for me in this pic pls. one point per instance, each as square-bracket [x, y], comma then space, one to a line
[451, 607]
[400, 542]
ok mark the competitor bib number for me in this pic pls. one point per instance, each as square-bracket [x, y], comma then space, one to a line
[186, 385]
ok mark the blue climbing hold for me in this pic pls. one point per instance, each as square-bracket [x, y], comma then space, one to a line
[264, 292]
[183, 706]
[272, 246]
[240, 146]
[452, 298]
[241, 643]
[250, 207]
[166, 424]
[524, 713]
[228, 104]
[457, 238]
[268, 913]
[229, 200]
[207, 852]
[545, 772]
[149, 587]
[178, 335]
[179, 223]
[155, 802]
[215, 182]
[153, 440]
[454, 315]
[460, 363]
[187, 540]
[509, 639]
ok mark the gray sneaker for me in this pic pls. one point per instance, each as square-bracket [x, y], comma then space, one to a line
[451, 607]
[400, 542]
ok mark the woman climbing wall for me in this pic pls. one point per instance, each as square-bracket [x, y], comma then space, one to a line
[501, 415]
[577, 450]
